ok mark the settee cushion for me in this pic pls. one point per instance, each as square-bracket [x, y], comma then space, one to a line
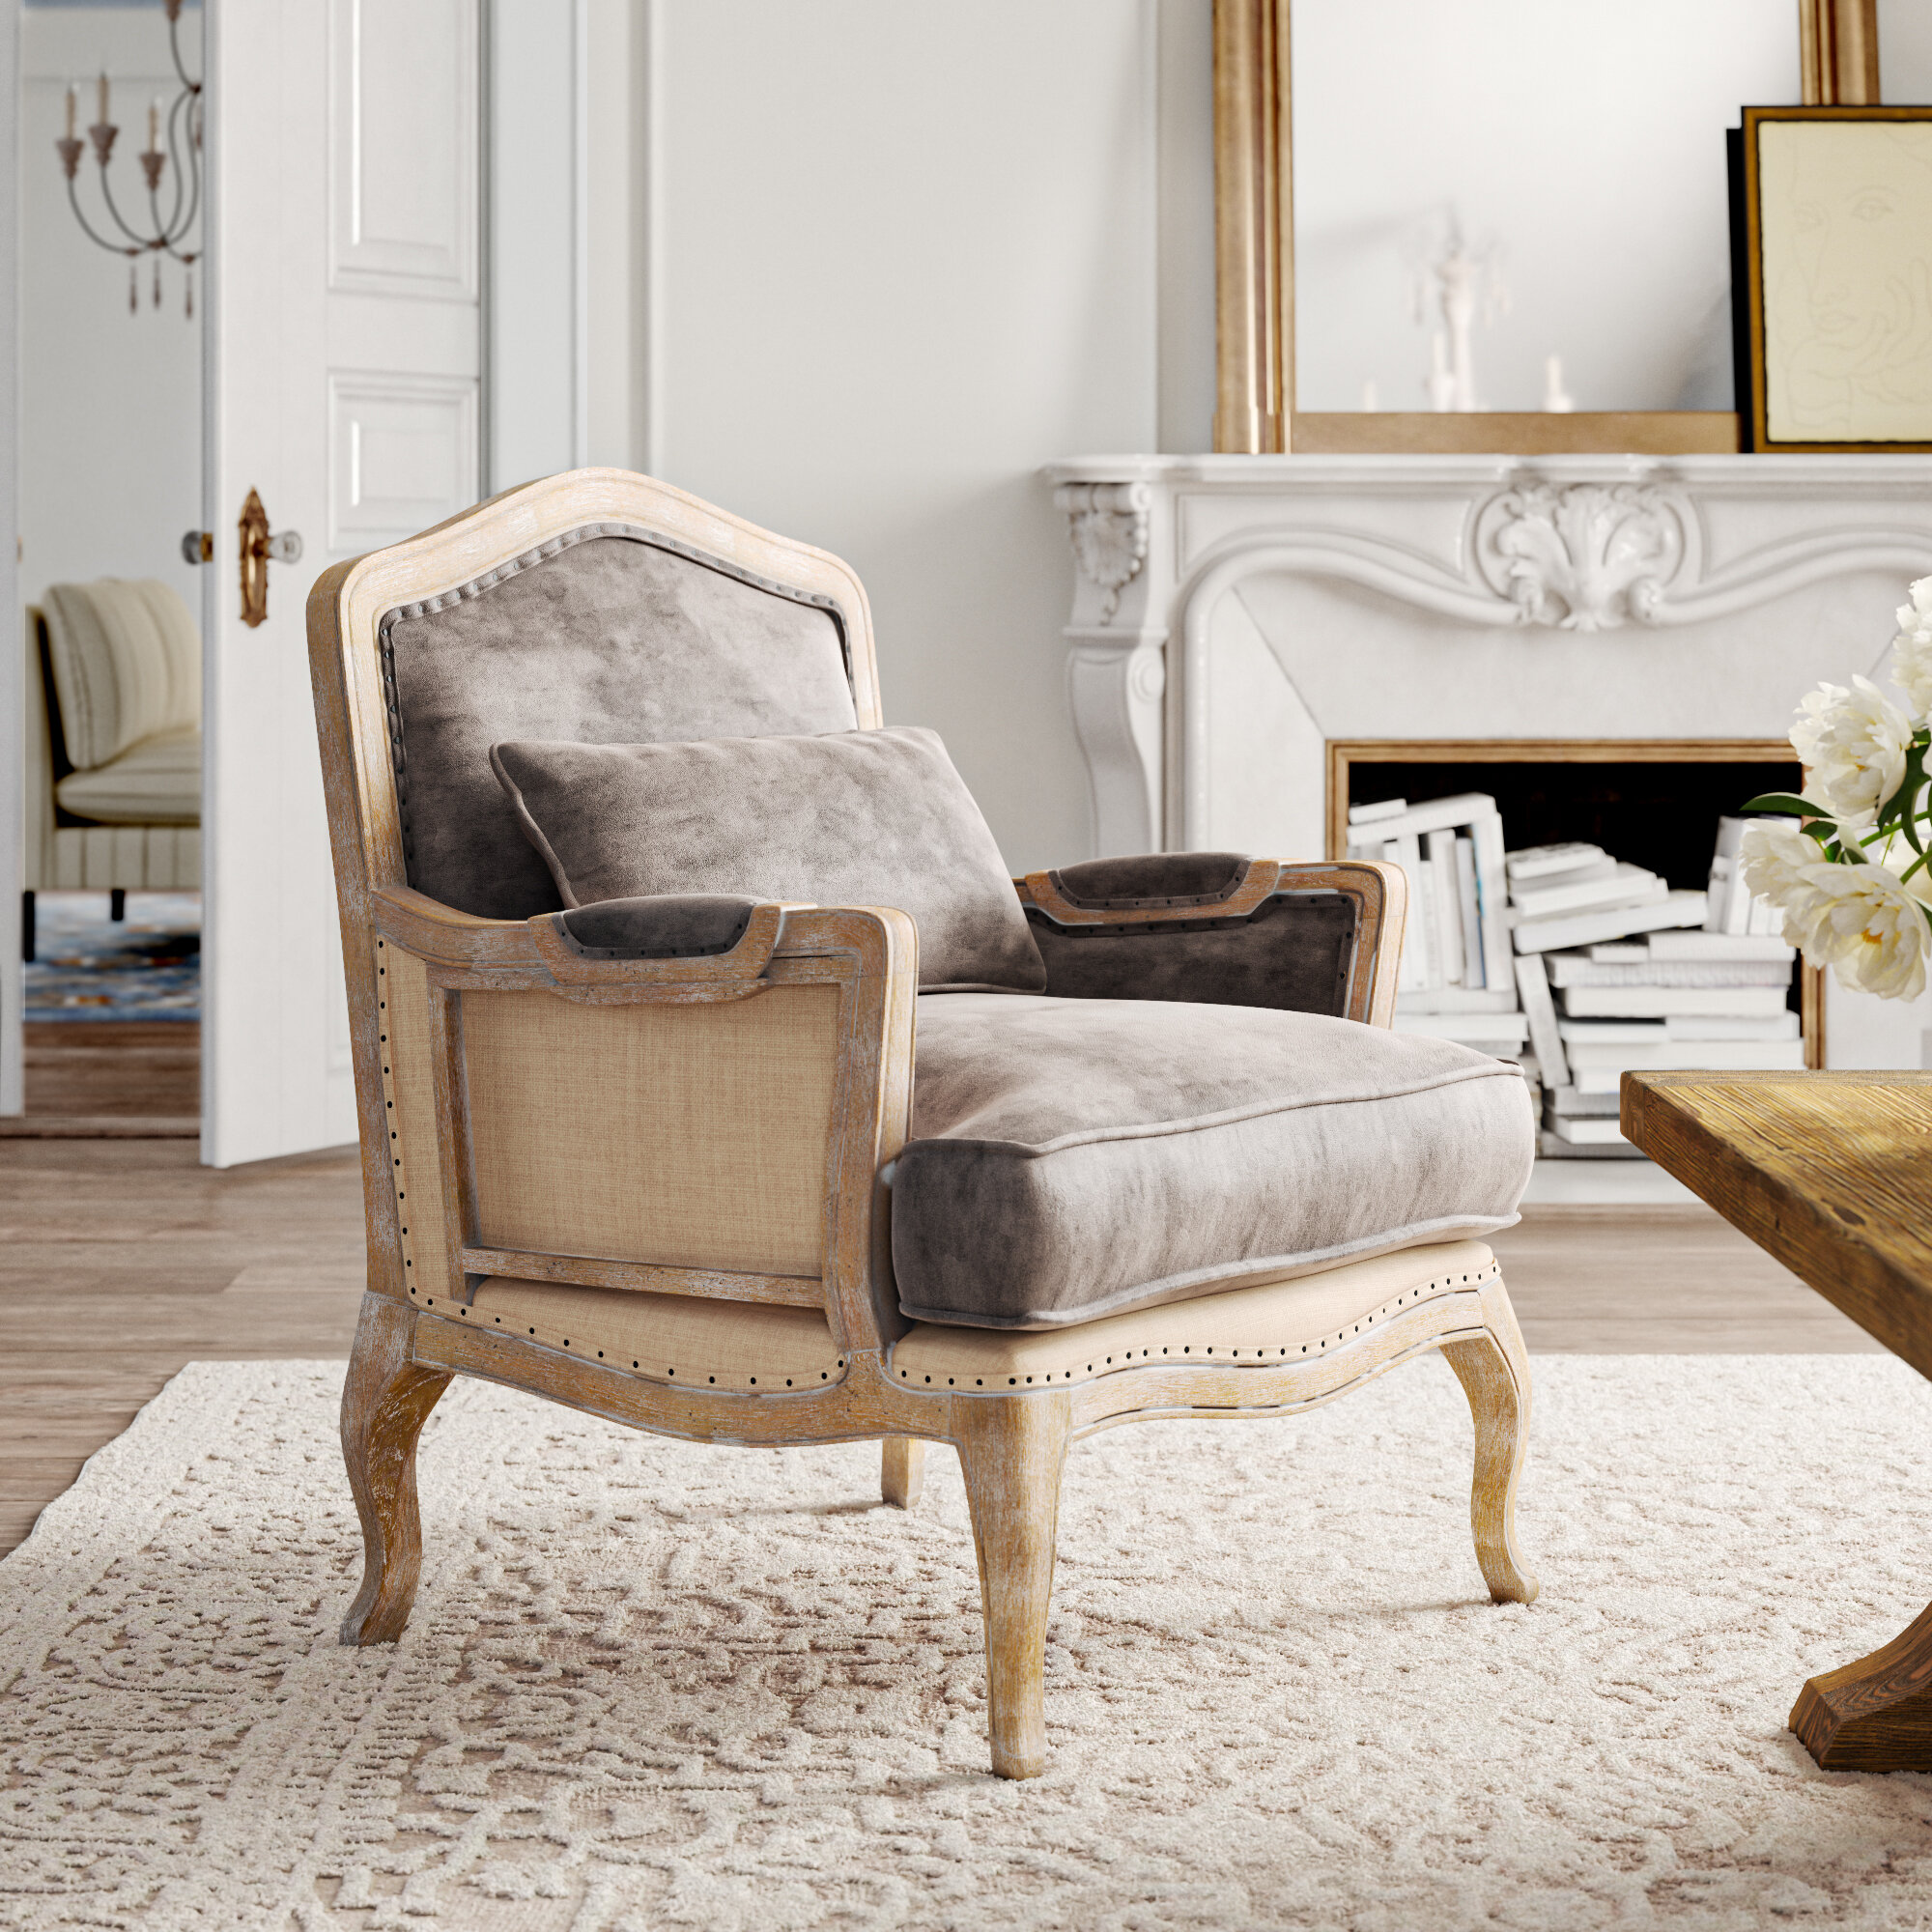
[157, 781]
[848, 819]
[1076, 1159]
[125, 658]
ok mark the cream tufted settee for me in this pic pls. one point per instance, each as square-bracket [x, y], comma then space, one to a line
[113, 756]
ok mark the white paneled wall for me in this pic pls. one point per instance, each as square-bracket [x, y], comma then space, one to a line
[404, 267]
[894, 258]
[536, 166]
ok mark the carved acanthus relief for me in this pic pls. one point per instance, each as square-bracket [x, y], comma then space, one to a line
[1107, 523]
[1585, 556]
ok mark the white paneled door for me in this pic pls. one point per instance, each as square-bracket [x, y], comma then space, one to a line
[342, 390]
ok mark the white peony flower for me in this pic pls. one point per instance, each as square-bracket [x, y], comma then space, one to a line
[1853, 744]
[1776, 858]
[1911, 648]
[1861, 923]
[1897, 857]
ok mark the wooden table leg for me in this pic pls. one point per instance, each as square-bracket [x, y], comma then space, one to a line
[1874, 1714]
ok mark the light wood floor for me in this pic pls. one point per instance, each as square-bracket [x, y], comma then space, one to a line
[95, 1078]
[119, 1260]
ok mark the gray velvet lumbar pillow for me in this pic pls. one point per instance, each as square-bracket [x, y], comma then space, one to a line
[848, 818]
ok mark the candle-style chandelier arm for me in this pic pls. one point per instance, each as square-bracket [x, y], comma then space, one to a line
[183, 149]
[173, 6]
[112, 247]
[139, 240]
[188, 182]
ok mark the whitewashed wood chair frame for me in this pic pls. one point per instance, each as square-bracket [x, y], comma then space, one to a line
[418, 970]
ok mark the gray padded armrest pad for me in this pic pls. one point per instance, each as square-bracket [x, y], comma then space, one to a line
[671, 925]
[1107, 885]
[1292, 953]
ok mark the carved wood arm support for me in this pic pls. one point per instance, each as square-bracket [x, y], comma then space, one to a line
[1323, 936]
[566, 1138]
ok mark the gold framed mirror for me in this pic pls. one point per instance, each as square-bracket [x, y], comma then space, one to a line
[1256, 406]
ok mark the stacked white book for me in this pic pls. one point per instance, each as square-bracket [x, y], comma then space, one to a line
[1649, 980]
[1576, 964]
[1456, 979]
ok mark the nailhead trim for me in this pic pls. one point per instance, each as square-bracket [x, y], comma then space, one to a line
[398, 1174]
[564, 1345]
[1268, 1357]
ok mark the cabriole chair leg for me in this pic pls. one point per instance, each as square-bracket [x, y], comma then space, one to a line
[902, 1471]
[386, 1401]
[1493, 1369]
[1011, 1451]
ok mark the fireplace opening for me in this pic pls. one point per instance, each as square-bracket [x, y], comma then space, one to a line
[1650, 805]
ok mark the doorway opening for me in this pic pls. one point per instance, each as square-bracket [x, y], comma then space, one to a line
[110, 471]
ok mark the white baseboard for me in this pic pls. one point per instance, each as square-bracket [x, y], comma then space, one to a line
[1609, 1183]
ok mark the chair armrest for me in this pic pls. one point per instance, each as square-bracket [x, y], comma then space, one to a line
[1222, 927]
[698, 1122]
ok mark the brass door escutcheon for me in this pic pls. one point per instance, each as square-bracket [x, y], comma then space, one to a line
[258, 547]
[254, 561]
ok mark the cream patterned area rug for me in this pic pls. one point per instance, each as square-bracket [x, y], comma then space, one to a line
[651, 1685]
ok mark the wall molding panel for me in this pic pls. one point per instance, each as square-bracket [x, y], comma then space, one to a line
[403, 129]
[402, 454]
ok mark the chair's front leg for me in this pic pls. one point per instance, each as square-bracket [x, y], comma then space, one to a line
[902, 1471]
[1493, 1369]
[1012, 1449]
[386, 1401]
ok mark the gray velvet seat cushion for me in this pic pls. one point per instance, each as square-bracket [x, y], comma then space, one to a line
[1072, 1158]
[848, 819]
[598, 636]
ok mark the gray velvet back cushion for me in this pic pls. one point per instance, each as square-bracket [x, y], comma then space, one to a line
[601, 638]
[853, 818]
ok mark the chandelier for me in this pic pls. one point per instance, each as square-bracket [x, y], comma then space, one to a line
[183, 149]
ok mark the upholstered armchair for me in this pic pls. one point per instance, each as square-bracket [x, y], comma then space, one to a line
[113, 743]
[662, 1121]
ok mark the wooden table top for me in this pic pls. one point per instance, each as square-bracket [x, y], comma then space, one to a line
[1830, 1172]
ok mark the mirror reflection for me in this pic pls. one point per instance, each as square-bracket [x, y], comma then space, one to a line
[1522, 204]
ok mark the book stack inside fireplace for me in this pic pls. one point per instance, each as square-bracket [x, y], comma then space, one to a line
[1578, 964]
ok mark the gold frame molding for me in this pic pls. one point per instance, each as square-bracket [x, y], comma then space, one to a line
[1254, 266]
[1755, 325]
[1346, 752]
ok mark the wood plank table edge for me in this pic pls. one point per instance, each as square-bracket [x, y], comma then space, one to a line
[1874, 1713]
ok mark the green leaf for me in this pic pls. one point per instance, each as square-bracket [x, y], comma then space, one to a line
[1783, 802]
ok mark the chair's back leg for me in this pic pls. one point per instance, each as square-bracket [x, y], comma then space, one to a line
[1493, 1369]
[1012, 1449]
[386, 1401]
[902, 1471]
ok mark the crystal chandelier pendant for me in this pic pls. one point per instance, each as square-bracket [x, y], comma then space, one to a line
[158, 281]
[133, 290]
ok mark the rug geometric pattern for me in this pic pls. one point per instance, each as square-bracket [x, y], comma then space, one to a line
[89, 967]
[651, 1684]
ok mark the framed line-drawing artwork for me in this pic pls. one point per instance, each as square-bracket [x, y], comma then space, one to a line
[1835, 298]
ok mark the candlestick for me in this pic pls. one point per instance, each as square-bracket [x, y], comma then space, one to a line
[1555, 400]
[155, 124]
[101, 96]
[73, 109]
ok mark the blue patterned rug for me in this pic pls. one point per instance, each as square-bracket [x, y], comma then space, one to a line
[147, 967]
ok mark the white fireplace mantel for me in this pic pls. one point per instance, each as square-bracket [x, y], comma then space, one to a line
[1231, 614]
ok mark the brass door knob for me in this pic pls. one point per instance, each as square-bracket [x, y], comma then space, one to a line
[258, 547]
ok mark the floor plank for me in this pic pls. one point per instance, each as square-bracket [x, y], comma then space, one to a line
[113, 1069]
[121, 1260]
